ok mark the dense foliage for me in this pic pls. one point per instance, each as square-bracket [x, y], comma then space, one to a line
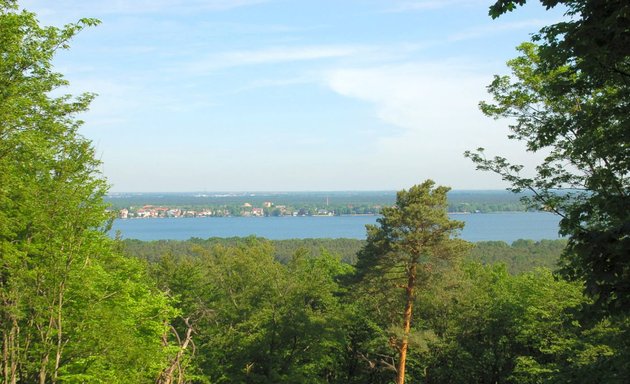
[72, 309]
[568, 97]
[256, 320]
[519, 257]
[308, 320]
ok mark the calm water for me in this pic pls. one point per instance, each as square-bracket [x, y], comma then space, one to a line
[479, 227]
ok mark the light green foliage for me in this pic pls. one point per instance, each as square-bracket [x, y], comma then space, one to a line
[117, 320]
[71, 308]
[568, 98]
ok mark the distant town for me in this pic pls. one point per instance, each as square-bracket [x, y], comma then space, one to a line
[183, 205]
[245, 210]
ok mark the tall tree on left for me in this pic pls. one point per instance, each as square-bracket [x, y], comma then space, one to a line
[59, 273]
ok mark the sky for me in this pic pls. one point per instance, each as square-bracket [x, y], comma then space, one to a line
[290, 95]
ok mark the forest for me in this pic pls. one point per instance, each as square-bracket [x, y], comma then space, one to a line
[518, 257]
[410, 303]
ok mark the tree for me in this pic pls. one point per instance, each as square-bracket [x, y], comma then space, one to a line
[63, 286]
[593, 41]
[568, 98]
[501, 328]
[410, 245]
[256, 320]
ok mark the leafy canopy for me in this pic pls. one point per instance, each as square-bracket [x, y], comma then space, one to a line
[71, 308]
[568, 98]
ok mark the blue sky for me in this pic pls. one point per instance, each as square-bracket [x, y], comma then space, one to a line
[290, 95]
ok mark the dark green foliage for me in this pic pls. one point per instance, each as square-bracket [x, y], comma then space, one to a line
[283, 250]
[522, 256]
[474, 325]
[568, 97]
[493, 327]
[260, 321]
[345, 248]
[594, 41]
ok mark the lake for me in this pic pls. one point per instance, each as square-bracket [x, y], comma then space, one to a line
[479, 227]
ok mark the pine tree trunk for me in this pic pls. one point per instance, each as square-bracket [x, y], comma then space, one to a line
[404, 344]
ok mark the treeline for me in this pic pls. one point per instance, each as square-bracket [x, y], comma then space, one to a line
[311, 203]
[521, 256]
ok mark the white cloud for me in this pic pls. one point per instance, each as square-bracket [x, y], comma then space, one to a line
[430, 117]
[414, 97]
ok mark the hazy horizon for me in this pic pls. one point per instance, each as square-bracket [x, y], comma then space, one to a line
[242, 192]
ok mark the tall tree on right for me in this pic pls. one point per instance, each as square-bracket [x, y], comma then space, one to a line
[569, 98]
